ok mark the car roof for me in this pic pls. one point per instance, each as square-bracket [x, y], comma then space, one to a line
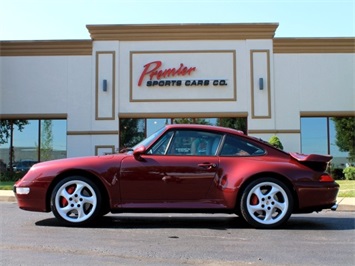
[205, 127]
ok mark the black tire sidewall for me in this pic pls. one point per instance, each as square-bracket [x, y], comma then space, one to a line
[96, 212]
[243, 203]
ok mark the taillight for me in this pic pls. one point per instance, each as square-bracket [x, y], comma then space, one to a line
[326, 178]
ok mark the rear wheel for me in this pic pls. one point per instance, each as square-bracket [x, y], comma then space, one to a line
[266, 203]
[76, 200]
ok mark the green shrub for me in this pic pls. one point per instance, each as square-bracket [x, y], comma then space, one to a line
[349, 173]
[8, 176]
[337, 174]
[275, 141]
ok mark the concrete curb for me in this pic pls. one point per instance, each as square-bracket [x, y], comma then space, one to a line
[345, 204]
[7, 196]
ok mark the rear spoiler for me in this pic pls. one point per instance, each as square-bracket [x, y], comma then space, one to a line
[315, 161]
[311, 157]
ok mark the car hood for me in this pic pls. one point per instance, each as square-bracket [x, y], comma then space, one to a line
[90, 162]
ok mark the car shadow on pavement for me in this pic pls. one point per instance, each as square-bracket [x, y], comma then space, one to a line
[205, 222]
[320, 223]
[156, 222]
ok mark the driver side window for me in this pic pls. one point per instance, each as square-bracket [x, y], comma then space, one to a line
[162, 145]
[196, 143]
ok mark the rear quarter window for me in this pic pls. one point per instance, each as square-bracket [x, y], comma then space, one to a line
[237, 146]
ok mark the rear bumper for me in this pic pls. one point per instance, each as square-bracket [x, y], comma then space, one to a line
[317, 196]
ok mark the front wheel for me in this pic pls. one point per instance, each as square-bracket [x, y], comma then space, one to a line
[76, 200]
[266, 203]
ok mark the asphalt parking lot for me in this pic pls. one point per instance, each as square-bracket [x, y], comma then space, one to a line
[30, 238]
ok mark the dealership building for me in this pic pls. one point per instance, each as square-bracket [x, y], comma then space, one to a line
[80, 97]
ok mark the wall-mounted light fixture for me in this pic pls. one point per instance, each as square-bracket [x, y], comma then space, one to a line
[104, 85]
[261, 83]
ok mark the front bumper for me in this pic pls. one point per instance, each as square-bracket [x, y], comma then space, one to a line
[31, 196]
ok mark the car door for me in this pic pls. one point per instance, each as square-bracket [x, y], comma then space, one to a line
[179, 167]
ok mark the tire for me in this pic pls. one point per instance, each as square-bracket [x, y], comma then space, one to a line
[76, 200]
[266, 203]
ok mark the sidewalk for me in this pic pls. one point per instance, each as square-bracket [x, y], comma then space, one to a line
[7, 196]
[345, 204]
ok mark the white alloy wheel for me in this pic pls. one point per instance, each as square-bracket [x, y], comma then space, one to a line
[266, 203]
[76, 200]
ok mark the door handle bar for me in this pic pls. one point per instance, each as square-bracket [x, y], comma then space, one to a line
[207, 165]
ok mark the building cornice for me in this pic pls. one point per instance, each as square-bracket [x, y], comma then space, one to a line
[177, 32]
[45, 48]
[314, 45]
[182, 114]
[182, 32]
[327, 113]
[30, 116]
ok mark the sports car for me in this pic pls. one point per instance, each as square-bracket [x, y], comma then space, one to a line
[183, 168]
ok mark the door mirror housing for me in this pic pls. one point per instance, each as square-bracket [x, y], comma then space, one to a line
[138, 152]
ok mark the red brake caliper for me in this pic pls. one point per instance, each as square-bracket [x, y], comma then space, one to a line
[64, 201]
[254, 200]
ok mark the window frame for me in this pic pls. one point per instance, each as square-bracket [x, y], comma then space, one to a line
[241, 140]
[197, 134]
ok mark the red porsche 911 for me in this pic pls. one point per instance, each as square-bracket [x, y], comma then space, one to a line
[183, 168]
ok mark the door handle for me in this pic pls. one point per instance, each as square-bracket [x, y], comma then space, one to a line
[169, 178]
[207, 165]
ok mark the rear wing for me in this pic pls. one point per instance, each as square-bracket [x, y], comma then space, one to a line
[315, 161]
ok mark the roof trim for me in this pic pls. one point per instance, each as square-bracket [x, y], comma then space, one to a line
[314, 45]
[327, 113]
[183, 114]
[183, 32]
[84, 47]
[45, 48]
[33, 116]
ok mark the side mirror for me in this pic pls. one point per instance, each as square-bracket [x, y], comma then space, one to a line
[137, 153]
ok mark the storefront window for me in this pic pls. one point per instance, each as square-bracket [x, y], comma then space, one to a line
[239, 123]
[201, 121]
[26, 142]
[154, 125]
[133, 130]
[319, 135]
[53, 139]
[39, 140]
[314, 136]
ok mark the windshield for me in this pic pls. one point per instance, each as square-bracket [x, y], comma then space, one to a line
[146, 142]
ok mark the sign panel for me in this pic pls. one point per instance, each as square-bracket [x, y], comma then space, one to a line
[183, 76]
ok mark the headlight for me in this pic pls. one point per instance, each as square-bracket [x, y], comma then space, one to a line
[22, 190]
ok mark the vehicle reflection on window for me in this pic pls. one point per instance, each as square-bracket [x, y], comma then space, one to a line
[187, 142]
[234, 146]
[161, 146]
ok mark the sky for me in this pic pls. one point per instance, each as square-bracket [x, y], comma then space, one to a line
[67, 19]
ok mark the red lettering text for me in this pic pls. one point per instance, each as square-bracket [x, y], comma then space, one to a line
[152, 70]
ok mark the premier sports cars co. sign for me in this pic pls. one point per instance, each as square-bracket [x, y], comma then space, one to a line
[183, 76]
